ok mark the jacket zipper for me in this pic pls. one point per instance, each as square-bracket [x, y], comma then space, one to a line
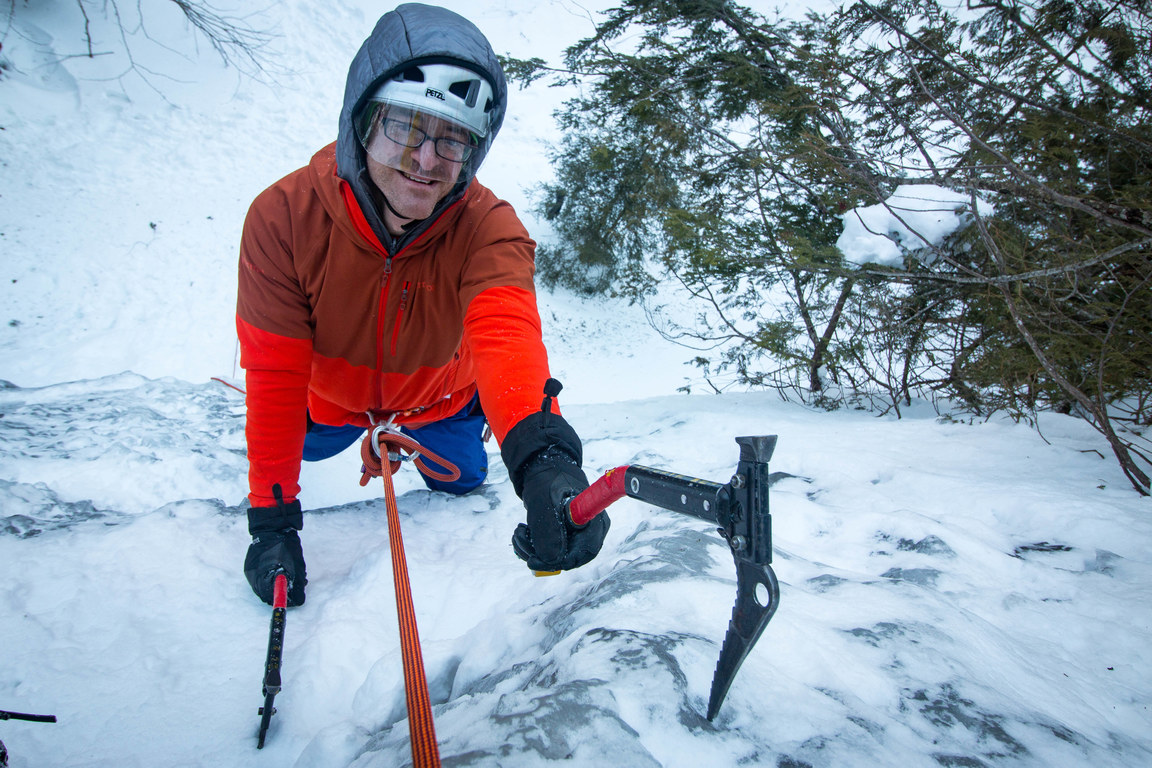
[365, 231]
[381, 317]
[349, 201]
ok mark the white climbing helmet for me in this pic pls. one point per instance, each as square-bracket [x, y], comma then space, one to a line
[444, 90]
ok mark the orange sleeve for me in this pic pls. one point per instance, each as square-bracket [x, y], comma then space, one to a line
[277, 370]
[273, 326]
[502, 329]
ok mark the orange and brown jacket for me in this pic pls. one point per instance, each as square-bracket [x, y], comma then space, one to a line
[341, 322]
[330, 322]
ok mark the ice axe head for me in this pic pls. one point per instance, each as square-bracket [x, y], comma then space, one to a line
[740, 510]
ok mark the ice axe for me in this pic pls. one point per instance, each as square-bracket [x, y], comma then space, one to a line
[272, 661]
[740, 509]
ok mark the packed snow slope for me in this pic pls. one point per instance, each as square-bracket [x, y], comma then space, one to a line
[952, 593]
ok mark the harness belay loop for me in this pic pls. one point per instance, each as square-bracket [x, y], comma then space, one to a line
[387, 440]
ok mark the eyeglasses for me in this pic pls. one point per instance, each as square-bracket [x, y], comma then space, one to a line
[406, 134]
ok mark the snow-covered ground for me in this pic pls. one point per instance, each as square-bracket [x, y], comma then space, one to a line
[952, 594]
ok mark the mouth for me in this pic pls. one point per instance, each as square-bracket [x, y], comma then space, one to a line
[418, 179]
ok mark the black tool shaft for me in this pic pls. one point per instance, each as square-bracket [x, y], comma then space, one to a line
[6, 715]
[272, 661]
[702, 499]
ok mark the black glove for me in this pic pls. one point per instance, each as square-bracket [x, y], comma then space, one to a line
[550, 541]
[276, 547]
[543, 455]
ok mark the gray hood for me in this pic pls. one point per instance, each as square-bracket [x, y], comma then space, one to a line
[413, 33]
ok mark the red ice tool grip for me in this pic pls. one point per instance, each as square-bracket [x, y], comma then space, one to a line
[596, 497]
[280, 592]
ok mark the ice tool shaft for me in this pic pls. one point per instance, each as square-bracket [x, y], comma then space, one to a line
[272, 681]
[6, 715]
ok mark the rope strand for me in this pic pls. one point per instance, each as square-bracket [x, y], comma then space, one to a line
[421, 727]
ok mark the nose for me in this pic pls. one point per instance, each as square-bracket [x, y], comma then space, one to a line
[425, 154]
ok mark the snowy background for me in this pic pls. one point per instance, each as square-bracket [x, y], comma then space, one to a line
[952, 593]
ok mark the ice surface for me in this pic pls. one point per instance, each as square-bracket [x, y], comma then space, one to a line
[953, 594]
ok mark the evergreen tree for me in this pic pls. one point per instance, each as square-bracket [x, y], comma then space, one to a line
[723, 149]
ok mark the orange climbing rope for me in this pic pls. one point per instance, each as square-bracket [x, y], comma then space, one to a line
[386, 441]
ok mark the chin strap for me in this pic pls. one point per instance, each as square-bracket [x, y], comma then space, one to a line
[411, 222]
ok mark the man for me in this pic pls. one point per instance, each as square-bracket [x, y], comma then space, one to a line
[382, 281]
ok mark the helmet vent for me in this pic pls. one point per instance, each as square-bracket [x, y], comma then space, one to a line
[466, 91]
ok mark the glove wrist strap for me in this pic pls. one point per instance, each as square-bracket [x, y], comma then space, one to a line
[277, 518]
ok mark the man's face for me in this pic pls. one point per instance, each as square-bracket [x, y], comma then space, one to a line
[413, 179]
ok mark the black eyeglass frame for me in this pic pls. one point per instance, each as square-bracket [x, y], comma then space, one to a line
[406, 132]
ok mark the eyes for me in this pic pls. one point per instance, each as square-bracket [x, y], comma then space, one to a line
[455, 148]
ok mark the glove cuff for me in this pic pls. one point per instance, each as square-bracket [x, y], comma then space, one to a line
[533, 435]
[268, 519]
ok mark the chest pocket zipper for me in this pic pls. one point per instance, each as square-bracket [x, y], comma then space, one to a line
[400, 316]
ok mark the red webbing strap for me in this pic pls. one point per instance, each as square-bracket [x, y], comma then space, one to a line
[421, 728]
